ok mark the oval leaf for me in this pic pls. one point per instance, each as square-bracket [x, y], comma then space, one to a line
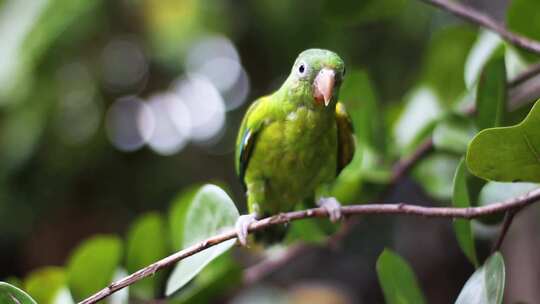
[211, 211]
[486, 285]
[146, 243]
[510, 153]
[45, 284]
[397, 280]
[462, 227]
[491, 95]
[10, 294]
[92, 265]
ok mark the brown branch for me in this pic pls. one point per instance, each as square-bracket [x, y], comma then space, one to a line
[477, 17]
[529, 73]
[400, 208]
[508, 218]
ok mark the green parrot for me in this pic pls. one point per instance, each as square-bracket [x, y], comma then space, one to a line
[294, 142]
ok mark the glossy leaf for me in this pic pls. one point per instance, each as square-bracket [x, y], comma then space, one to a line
[210, 211]
[483, 49]
[494, 192]
[397, 280]
[10, 294]
[177, 215]
[486, 285]
[462, 227]
[509, 153]
[491, 95]
[93, 264]
[453, 134]
[146, 243]
[45, 284]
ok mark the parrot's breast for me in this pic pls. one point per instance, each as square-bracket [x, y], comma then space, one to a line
[293, 156]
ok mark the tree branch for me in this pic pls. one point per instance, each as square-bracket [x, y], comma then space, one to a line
[400, 208]
[486, 21]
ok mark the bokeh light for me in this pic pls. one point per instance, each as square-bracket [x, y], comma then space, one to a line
[129, 123]
[124, 65]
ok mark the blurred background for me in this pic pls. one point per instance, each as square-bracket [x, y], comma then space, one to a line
[109, 109]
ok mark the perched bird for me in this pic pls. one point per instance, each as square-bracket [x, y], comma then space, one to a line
[293, 143]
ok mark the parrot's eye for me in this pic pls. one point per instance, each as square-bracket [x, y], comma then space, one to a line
[302, 69]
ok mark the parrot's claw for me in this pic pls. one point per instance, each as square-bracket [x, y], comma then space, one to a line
[242, 226]
[332, 206]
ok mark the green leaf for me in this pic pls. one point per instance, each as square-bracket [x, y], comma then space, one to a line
[146, 243]
[486, 285]
[491, 94]
[214, 280]
[177, 215]
[462, 227]
[483, 49]
[523, 17]
[453, 134]
[494, 192]
[397, 280]
[436, 173]
[210, 211]
[422, 110]
[45, 284]
[443, 65]
[508, 154]
[92, 265]
[10, 294]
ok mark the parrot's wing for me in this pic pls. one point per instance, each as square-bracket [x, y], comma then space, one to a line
[253, 122]
[346, 139]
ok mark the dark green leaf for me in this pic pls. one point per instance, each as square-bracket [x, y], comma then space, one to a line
[508, 154]
[523, 17]
[486, 285]
[397, 280]
[210, 211]
[92, 265]
[10, 294]
[462, 227]
[146, 243]
[491, 94]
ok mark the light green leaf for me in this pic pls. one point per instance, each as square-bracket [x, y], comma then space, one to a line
[10, 294]
[509, 153]
[486, 285]
[421, 111]
[397, 280]
[210, 211]
[436, 173]
[92, 265]
[491, 94]
[453, 134]
[177, 215]
[462, 227]
[146, 243]
[494, 192]
[523, 17]
[45, 284]
[486, 44]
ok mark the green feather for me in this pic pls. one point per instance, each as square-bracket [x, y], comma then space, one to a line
[288, 145]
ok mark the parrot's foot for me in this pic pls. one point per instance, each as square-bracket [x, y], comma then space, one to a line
[332, 206]
[242, 225]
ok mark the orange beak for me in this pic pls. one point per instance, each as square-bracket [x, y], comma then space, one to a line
[323, 86]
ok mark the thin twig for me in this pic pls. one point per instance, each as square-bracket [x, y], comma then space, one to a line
[364, 209]
[477, 17]
[529, 73]
[508, 218]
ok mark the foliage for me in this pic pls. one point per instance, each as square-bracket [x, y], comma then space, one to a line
[413, 75]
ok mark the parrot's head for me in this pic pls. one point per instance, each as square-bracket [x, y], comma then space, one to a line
[317, 76]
